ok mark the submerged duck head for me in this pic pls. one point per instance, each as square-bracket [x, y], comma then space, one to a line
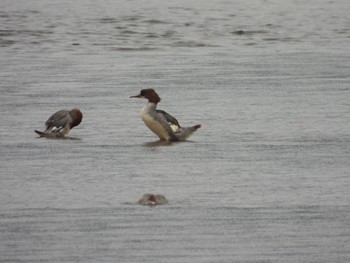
[153, 199]
[149, 94]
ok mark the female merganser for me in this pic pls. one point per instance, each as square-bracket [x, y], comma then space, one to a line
[165, 126]
[151, 199]
[60, 123]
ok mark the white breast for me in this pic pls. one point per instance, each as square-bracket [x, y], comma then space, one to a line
[154, 125]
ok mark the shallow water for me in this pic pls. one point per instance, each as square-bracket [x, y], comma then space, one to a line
[266, 178]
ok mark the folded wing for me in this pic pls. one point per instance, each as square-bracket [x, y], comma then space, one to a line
[57, 120]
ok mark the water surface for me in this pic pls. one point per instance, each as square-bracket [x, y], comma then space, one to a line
[266, 178]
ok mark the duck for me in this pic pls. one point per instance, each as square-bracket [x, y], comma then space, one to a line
[165, 126]
[153, 199]
[60, 123]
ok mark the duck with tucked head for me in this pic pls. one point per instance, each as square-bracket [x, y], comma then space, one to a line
[60, 123]
[165, 126]
[152, 199]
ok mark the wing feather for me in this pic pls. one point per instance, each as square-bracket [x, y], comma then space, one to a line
[58, 120]
[170, 119]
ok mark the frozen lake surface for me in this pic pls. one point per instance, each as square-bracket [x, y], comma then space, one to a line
[266, 178]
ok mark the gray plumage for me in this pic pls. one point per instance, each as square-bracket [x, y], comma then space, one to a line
[60, 123]
[165, 126]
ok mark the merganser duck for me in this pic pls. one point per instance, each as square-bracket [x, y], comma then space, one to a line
[60, 123]
[165, 126]
[152, 199]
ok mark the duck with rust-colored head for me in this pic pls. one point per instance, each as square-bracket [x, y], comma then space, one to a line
[152, 199]
[60, 123]
[165, 126]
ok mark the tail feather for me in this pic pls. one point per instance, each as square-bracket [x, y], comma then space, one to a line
[185, 132]
[41, 134]
[196, 127]
[51, 134]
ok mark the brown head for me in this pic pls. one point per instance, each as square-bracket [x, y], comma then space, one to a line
[76, 117]
[152, 198]
[149, 94]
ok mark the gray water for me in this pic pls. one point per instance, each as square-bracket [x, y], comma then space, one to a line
[266, 178]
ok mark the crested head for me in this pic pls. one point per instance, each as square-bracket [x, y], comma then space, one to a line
[76, 116]
[149, 94]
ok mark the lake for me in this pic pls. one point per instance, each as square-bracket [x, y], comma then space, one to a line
[265, 179]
